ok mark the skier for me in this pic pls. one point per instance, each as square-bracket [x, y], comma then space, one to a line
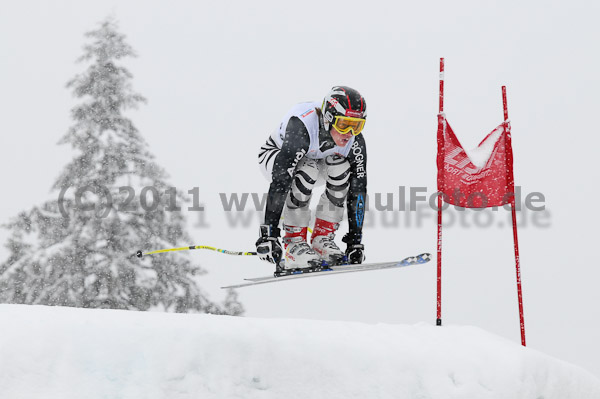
[315, 144]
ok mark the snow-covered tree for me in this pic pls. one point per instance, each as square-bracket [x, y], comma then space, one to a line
[113, 200]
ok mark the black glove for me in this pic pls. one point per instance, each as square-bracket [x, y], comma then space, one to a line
[354, 249]
[267, 246]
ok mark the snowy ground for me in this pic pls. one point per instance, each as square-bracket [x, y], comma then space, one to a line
[61, 353]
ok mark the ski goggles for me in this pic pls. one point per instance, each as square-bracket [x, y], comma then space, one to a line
[345, 124]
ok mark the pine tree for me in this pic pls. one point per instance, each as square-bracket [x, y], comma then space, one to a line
[81, 260]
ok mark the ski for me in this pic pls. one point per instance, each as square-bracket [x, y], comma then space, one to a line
[327, 271]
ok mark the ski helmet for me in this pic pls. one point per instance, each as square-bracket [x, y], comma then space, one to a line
[343, 101]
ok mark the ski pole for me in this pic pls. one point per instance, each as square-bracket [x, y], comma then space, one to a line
[140, 254]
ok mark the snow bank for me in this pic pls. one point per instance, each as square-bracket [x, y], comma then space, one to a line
[62, 353]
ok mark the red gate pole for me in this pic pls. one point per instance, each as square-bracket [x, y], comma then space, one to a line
[439, 203]
[514, 221]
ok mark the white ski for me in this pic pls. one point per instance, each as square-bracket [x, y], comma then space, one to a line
[411, 260]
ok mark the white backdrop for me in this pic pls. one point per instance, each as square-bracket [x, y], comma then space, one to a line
[219, 76]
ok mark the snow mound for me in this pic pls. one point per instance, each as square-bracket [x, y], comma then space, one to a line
[62, 353]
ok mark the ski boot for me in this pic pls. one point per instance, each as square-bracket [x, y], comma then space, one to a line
[299, 256]
[322, 240]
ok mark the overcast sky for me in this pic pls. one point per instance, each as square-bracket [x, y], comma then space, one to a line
[218, 77]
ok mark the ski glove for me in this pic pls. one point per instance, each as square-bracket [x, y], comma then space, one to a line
[354, 249]
[267, 246]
